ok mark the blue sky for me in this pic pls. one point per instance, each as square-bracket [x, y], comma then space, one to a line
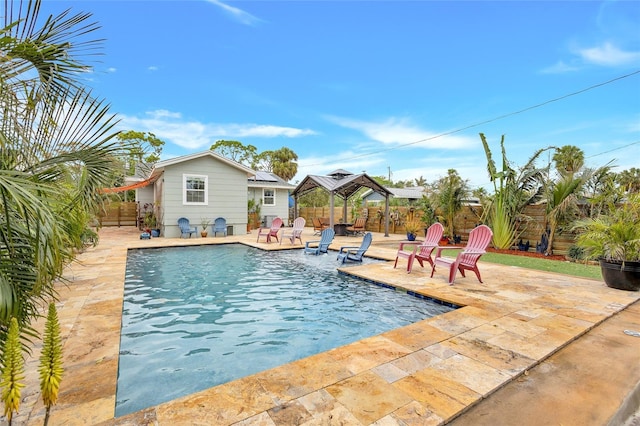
[376, 86]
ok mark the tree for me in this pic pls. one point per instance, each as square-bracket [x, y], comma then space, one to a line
[561, 205]
[568, 160]
[284, 163]
[600, 189]
[315, 198]
[57, 148]
[562, 195]
[236, 151]
[143, 149]
[630, 180]
[513, 191]
[449, 192]
[421, 181]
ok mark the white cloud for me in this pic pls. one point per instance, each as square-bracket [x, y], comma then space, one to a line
[347, 160]
[559, 68]
[170, 127]
[152, 68]
[400, 132]
[111, 70]
[237, 14]
[608, 55]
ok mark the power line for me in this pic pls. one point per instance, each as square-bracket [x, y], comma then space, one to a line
[614, 149]
[500, 117]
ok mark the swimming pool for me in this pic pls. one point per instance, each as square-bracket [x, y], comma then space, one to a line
[197, 317]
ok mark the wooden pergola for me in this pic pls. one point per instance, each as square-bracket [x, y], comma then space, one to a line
[343, 184]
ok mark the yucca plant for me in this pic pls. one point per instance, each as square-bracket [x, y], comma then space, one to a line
[12, 371]
[51, 361]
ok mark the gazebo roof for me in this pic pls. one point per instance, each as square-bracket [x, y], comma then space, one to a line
[340, 182]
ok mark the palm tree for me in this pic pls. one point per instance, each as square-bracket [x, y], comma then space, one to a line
[568, 159]
[284, 163]
[55, 155]
[561, 205]
[630, 180]
[449, 192]
[562, 195]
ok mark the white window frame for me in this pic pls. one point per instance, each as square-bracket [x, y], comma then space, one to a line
[264, 197]
[187, 177]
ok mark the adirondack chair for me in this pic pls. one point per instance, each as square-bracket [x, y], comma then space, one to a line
[220, 225]
[295, 232]
[319, 225]
[421, 251]
[358, 226]
[322, 245]
[354, 253]
[276, 224]
[185, 227]
[479, 239]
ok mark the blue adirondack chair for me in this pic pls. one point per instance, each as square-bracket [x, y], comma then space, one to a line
[220, 225]
[322, 245]
[185, 227]
[354, 253]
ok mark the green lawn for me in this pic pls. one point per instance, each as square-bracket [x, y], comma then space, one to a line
[566, 267]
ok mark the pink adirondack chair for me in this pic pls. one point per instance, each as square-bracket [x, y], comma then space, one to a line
[294, 233]
[276, 224]
[421, 251]
[479, 239]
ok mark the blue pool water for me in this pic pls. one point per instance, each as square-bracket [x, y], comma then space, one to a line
[197, 317]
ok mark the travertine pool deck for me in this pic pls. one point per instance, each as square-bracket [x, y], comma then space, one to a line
[427, 373]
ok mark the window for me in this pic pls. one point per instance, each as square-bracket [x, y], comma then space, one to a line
[195, 189]
[269, 197]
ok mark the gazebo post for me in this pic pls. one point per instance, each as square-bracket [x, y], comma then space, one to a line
[344, 210]
[386, 215]
[331, 204]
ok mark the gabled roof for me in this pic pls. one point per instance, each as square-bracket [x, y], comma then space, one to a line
[269, 180]
[341, 183]
[161, 165]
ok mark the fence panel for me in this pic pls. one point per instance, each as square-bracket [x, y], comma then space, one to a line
[119, 214]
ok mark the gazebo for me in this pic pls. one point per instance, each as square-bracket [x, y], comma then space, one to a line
[343, 184]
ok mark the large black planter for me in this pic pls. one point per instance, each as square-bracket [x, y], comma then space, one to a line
[622, 278]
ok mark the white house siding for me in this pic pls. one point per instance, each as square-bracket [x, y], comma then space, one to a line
[227, 195]
[280, 209]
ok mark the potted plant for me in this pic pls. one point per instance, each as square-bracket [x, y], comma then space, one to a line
[150, 222]
[613, 239]
[412, 228]
[204, 222]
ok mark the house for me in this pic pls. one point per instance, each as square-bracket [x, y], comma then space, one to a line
[271, 193]
[196, 186]
[411, 194]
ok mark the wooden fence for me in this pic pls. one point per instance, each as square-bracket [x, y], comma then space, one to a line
[467, 219]
[119, 214]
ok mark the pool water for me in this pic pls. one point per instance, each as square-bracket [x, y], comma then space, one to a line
[197, 317]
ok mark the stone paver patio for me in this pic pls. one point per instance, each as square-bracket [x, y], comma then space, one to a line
[422, 374]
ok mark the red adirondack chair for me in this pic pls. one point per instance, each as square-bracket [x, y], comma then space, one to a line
[276, 224]
[421, 251]
[479, 239]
